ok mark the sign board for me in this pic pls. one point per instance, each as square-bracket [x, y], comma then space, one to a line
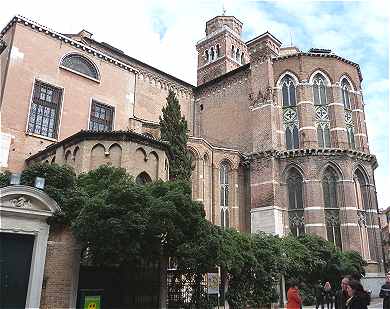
[212, 283]
[92, 302]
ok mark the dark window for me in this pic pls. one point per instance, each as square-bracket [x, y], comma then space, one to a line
[292, 137]
[351, 137]
[101, 118]
[80, 64]
[295, 203]
[319, 90]
[224, 193]
[345, 89]
[218, 51]
[323, 135]
[329, 187]
[143, 179]
[288, 91]
[45, 110]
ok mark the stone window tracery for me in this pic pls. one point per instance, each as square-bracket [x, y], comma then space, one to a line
[320, 90]
[361, 195]
[331, 205]
[296, 216]
[224, 193]
[347, 101]
[288, 91]
[80, 64]
[322, 126]
[290, 120]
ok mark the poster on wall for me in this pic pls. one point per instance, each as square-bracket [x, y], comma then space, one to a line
[92, 302]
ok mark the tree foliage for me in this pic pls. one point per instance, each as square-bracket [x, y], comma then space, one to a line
[118, 221]
[174, 130]
[4, 178]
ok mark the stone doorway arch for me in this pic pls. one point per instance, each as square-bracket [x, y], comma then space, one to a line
[24, 211]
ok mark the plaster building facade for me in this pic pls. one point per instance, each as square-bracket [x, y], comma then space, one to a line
[277, 136]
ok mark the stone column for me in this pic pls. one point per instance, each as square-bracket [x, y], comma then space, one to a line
[235, 214]
[306, 116]
[361, 139]
[338, 131]
[314, 208]
[350, 232]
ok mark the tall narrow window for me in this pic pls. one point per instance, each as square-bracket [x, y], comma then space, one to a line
[347, 98]
[323, 126]
[101, 118]
[224, 193]
[212, 54]
[295, 203]
[363, 216]
[80, 64]
[345, 91]
[218, 51]
[45, 110]
[288, 91]
[206, 54]
[242, 58]
[290, 120]
[319, 90]
[238, 54]
[233, 52]
[332, 213]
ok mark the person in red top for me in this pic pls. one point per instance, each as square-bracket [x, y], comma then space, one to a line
[294, 300]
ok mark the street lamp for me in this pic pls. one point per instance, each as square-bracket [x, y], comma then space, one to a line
[39, 182]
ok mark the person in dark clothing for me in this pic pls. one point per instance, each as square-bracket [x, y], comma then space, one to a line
[385, 293]
[319, 295]
[358, 298]
[328, 295]
[342, 295]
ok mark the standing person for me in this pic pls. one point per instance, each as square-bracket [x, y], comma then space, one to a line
[357, 296]
[328, 295]
[342, 295]
[385, 292]
[294, 300]
[319, 294]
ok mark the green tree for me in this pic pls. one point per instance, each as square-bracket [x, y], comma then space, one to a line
[60, 185]
[4, 178]
[174, 130]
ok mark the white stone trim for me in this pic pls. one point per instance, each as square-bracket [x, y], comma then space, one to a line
[349, 224]
[264, 183]
[315, 225]
[336, 103]
[295, 78]
[338, 129]
[314, 208]
[373, 226]
[261, 106]
[360, 134]
[307, 128]
[305, 102]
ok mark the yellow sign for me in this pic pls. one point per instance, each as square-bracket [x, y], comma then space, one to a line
[92, 302]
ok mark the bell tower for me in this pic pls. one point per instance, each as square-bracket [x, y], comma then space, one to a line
[222, 50]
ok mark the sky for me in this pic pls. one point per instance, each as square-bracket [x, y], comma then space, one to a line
[164, 33]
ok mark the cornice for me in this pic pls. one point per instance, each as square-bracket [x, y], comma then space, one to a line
[288, 154]
[63, 38]
[277, 58]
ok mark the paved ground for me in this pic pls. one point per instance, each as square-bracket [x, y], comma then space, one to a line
[376, 303]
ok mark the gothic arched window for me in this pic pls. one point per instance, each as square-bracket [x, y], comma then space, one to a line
[288, 91]
[143, 178]
[323, 135]
[224, 193]
[212, 54]
[319, 89]
[80, 64]
[238, 54]
[361, 194]
[332, 211]
[351, 136]
[345, 89]
[295, 202]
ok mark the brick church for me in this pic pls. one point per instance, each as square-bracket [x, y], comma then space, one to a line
[278, 138]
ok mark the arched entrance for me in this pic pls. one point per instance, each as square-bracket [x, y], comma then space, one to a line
[23, 242]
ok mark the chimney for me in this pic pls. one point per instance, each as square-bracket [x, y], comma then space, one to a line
[85, 34]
